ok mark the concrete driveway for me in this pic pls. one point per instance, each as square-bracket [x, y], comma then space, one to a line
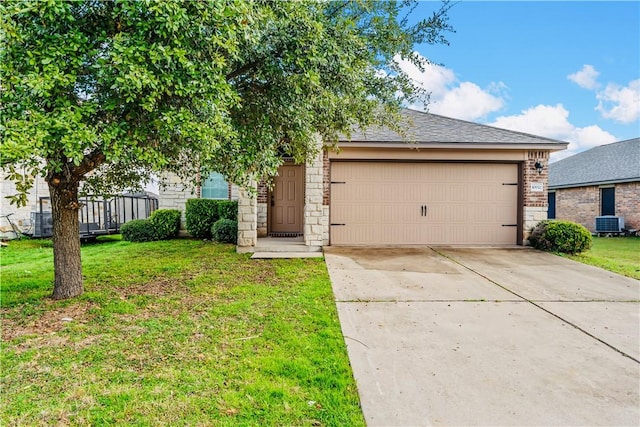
[442, 336]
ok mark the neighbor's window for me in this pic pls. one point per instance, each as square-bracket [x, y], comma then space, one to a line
[608, 201]
[215, 187]
[551, 211]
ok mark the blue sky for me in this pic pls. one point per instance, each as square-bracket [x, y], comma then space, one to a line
[565, 70]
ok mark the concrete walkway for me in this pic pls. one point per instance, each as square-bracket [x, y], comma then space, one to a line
[500, 337]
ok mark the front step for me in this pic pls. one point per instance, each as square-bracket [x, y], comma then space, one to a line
[287, 248]
[283, 247]
[278, 255]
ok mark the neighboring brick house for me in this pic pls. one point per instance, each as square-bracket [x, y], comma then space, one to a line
[604, 180]
[448, 182]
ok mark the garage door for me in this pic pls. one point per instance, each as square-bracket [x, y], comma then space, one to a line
[423, 203]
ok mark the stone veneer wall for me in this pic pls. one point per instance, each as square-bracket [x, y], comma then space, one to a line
[247, 220]
[535, 203]
[176, 194]
[582, 204]
[316, 218]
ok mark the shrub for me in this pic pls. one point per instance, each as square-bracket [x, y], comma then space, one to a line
[560, 236]
[225, 231]
[166, 223]
[138, 230]
[228, 209]
[200, 215]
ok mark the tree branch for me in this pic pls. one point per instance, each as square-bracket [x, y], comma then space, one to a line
[89, 163]
[245, 68]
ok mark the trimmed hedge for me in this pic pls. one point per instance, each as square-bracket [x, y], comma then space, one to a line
[228, 209]
[166, 223]
[201, 214]
[225, 231]
[560, 236]
[162, 224]
[138, 230]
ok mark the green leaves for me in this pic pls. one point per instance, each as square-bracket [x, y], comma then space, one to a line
[192, 86]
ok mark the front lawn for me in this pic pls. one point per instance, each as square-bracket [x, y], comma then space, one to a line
[179, 332]
[618, 254]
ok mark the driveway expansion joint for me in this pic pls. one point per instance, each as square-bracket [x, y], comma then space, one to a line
[532, 302]
[429, 301]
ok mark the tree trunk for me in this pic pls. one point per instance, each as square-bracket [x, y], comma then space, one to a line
[66, 239]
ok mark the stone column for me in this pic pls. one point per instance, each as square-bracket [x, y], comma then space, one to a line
[247, 220]
[315, 223]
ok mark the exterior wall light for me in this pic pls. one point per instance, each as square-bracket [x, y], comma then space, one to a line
[538, 166]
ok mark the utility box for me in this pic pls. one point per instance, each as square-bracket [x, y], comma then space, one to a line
[42, 223]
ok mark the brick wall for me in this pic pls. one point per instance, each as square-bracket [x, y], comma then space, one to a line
[582, 204]
[263, 192]
[535, 202]
[326, 178]
[536, 199]
[628, 204]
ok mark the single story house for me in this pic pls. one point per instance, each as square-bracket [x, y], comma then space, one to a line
[604, 180]
[448, 182]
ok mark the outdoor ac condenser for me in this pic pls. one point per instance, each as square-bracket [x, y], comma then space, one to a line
[609, 224]
[42, 223]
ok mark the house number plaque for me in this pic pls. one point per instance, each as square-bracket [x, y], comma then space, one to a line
[537, 187]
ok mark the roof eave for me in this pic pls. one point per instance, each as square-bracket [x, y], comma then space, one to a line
[594, 183]
[454, 145]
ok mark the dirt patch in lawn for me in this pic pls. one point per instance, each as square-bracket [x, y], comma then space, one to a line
[51, 320]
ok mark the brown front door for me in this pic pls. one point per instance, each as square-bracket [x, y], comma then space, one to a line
[287, 199]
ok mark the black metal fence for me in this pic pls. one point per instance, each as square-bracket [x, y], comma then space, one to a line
[98, 215]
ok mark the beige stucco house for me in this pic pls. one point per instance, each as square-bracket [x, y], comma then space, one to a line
[448, 182]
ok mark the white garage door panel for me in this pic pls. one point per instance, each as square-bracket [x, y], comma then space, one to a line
[381, 203]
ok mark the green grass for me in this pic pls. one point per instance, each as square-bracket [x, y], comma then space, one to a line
[177, 332]
[618, 254]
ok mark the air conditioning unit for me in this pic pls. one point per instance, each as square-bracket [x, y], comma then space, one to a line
[42, 223]
[609, 224]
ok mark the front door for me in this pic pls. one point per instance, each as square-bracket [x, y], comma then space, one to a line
[287, 199]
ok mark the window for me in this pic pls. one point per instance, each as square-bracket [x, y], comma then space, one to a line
[608, 201]
[551, 211]
[215, 187]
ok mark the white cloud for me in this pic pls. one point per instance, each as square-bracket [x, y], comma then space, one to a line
[450, 97]
[621, 104]
[553, 122]
[467, 101]
[586, 77]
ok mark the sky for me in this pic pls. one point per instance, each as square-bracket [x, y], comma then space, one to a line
[564, 70]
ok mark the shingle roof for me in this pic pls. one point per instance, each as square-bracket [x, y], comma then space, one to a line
[432, 128]
[617, 162]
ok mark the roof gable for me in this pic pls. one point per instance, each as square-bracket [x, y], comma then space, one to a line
[616, 162]
[427, 128]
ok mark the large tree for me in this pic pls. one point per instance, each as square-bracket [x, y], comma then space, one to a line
[100, 95]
